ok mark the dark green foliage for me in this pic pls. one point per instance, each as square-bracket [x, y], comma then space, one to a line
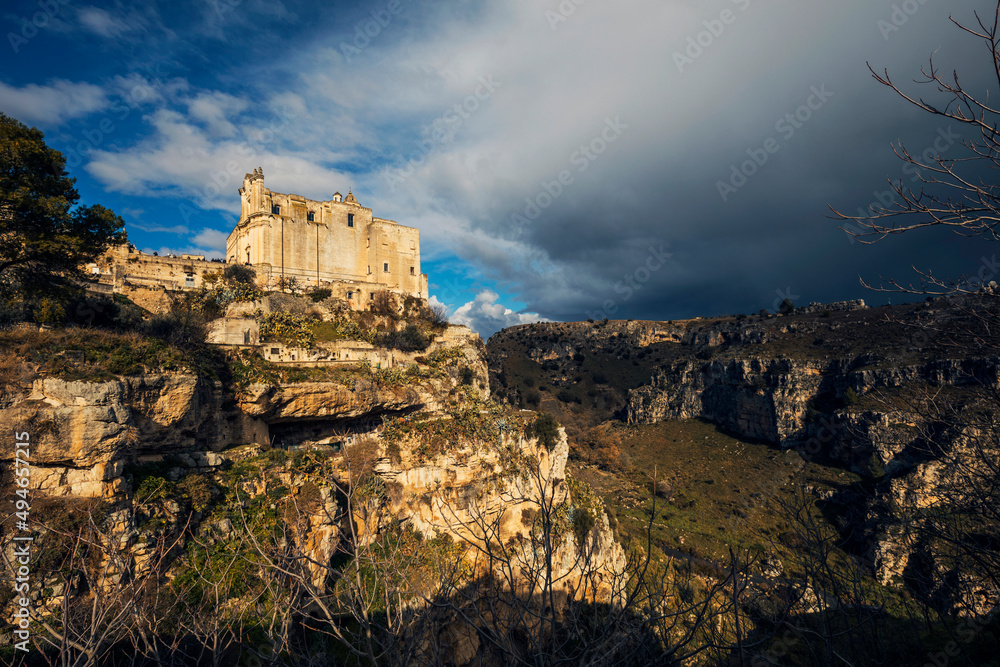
[583, 523]
[467, 375]
[116, 314]
[198, 490]
[153, 488]
[238, 274]
[320, 294]
[546, 429]
[181, 328]
[47, 236]
[567, 396]
[277, 456]
[851, 396]
[409, 339]
[786, 307]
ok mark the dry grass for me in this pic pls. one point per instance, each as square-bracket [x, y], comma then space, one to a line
[82, 354]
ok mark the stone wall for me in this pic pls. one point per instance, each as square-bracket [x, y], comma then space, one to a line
[319, 242]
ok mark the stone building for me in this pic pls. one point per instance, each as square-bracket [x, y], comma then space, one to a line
[336, 243]
[290, 242]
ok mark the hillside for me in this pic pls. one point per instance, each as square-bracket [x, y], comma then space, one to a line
[761, 433]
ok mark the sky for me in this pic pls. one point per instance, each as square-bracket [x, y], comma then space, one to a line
[563, 159]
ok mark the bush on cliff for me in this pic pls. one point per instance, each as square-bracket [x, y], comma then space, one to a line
[546, 429]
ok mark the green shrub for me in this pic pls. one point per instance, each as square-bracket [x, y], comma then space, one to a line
[181, 328]
[583, 523]
[199, 490]
[154, 488]
[851, 396]
[286, 328]
[238, 274]
[546, 429]
[410, 339]
[468, 375]
[50, 311]
[320, 294]
[343, 329]
[277, 456]
[567, 396]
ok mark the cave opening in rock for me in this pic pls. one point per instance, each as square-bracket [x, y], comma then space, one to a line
[299, 434]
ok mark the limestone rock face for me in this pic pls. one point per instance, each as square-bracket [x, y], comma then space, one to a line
[770, 398]
[498, 491]
[82, 433]
[318, 400]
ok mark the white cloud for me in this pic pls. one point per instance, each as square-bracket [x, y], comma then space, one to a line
[214, 109]
[133, 23]
[53, 103]
[101, 22]
[485, 316]
[163, 251]
[136, 89]
[212, 238]
[181, 158]
[179, 230]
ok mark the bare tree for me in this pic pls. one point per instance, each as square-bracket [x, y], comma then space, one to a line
[951, 513]
[95, 600]
[952, 192]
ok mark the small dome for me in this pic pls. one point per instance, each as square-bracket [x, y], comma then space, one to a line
[350, 198]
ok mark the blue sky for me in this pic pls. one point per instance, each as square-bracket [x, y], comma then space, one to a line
[562, 158]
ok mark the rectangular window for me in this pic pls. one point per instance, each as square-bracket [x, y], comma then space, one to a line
[274, 350]
[385, 268]
[275, 209]
[411, 270]
[371, 297]
[369, 269]
[350, 295]
[350, 219]
[310, 216]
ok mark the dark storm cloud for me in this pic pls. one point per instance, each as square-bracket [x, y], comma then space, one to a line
[668, 159]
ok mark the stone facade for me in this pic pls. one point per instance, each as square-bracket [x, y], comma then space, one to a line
[289, 241]
[335, 243]
[124, 267]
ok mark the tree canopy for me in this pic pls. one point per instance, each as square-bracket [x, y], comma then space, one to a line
[45, 237]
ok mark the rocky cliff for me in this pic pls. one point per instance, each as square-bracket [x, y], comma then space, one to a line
[887, 393]
[180, 458]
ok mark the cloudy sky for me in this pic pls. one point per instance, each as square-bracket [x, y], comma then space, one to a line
[563, 159]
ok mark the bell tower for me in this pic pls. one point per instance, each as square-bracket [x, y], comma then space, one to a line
[252, 194]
